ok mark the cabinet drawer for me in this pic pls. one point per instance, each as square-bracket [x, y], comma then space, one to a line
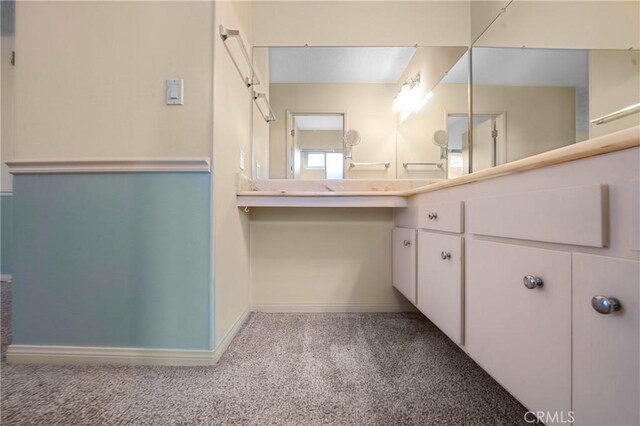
[575, 215]
[440, 281]
[606, 347]
[521, 336]
[441, 216]
[404, 262]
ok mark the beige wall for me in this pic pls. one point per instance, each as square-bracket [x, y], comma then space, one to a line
[566, 24]
[322, 259]
[232, 133]
[90, 80]
[361, 23]
[368, 109]
[6, 109]
[538, 119]
[614, 83]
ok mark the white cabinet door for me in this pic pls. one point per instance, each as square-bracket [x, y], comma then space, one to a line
[606, 347]
[440, 281]
[521, 336]
[404, 262]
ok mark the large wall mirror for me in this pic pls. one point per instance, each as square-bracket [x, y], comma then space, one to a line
[543, 75]
[357, 112]
[540, 84]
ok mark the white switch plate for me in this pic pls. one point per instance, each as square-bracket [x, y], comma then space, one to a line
[241, 160]
[175, 91]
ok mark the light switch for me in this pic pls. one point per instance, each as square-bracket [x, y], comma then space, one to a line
[241, 160]
[175, 91]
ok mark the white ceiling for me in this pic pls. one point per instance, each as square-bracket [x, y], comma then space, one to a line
[524, 67]
[338, 64]
[319, 122]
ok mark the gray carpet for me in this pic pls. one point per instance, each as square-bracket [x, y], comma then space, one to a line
[293, 369]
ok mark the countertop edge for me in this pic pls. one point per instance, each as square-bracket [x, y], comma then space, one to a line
[618, 141]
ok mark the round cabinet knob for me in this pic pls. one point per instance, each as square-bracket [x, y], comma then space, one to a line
[406, 243]
[445, 255]
[532, 282]
[433, 216]
[605, 305]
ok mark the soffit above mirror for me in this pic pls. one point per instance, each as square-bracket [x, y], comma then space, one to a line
[524, 67]
[338, 64]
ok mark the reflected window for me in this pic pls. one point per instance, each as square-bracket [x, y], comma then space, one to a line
[314, 160]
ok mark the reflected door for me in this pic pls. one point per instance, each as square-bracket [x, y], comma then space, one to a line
[489, 144]
[315, 145]
[484, 145]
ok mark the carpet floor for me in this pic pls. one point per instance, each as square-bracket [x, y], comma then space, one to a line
[281, 369]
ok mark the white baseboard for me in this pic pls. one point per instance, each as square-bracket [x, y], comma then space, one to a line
[43, 354]
[231, 333]
[330, 307]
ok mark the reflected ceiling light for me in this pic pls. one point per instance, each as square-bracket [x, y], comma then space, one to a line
[409, 98]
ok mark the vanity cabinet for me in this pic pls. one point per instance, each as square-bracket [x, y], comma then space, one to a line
[404, 262]
[531, 252]
[440, 287]
[606, 340]
[518, 320]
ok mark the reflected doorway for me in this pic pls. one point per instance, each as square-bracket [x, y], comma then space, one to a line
[489, 142]
[315, 145]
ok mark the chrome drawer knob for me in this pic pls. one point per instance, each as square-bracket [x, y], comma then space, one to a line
[433, 216]
[406, 243]
[445, 255]
[605, 305]
[532, 282]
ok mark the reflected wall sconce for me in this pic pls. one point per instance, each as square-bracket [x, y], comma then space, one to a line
[409, 98]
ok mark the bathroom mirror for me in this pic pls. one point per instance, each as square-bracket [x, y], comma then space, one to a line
[323, 96]
[527, 101]
[421, 149]
[539, 84]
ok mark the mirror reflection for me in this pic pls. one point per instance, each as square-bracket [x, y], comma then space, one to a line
[527, 101]
[339, 111]
[556, 84]
[317, 143]
[432, 139]
[536, 85]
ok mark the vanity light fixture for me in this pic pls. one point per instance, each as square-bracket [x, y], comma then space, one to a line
[409, 98]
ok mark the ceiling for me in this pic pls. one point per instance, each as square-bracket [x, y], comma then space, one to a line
[319, 122]
[524, 67]
[338, 64]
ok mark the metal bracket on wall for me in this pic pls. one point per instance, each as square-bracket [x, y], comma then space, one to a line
[227, 33]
